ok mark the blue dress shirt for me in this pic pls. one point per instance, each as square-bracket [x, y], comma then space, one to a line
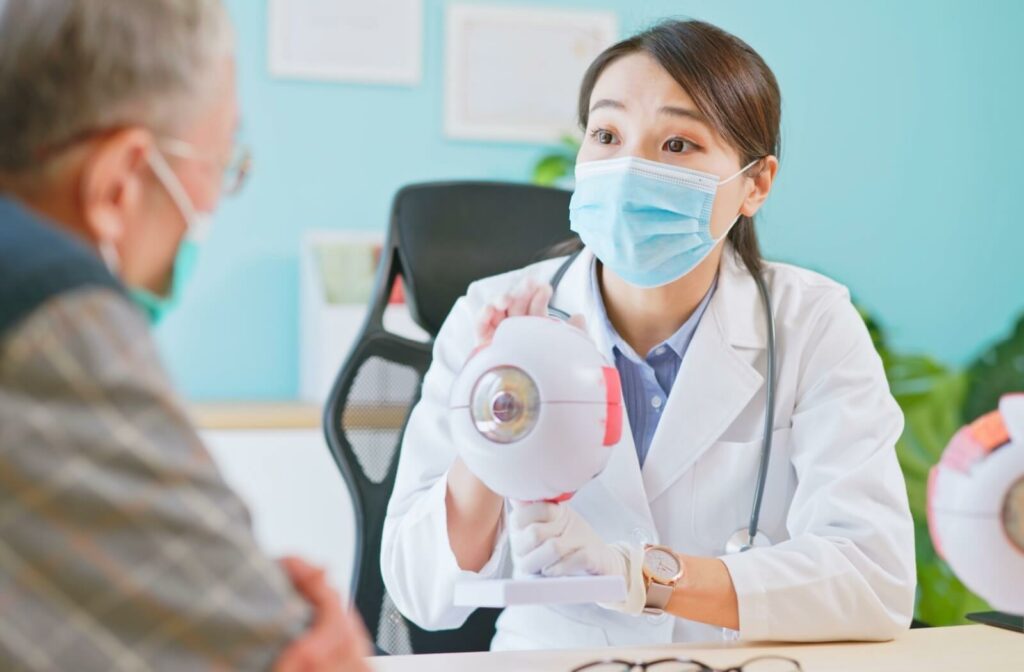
[647, 381]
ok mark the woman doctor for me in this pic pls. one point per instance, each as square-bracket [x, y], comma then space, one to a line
[682, 133]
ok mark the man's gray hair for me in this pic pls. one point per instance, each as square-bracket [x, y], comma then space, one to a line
[72, 67]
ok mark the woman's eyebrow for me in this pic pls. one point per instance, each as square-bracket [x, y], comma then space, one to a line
[686, 112]
[670, 110]
[607, 102]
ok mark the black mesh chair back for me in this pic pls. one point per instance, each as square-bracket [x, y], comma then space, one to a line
[442, 237]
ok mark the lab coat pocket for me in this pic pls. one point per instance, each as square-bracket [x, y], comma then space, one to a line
[725, 479]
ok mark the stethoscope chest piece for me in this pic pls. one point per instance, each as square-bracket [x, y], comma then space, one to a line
[739, 542]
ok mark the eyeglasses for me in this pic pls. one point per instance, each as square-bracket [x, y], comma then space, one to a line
[759, 664]
[235, 167]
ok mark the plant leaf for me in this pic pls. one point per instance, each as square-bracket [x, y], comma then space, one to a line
[550, 169]
[998, 371]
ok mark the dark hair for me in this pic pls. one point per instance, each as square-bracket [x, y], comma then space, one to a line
[729, 82]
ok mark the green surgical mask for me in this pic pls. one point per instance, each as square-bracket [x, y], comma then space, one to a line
[157, 307]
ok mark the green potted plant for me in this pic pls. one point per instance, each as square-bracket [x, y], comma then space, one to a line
[555, 168]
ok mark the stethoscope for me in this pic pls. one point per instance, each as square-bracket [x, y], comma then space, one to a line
[747, 537]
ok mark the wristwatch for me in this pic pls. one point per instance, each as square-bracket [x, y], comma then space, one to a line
[662, 570]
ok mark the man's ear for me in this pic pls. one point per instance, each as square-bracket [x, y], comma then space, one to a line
[763, 180]
[112, 179]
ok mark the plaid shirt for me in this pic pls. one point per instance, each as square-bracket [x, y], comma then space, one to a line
[121, 547]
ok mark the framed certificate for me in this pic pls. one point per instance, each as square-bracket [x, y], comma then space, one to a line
[347, 40]
[512, 73]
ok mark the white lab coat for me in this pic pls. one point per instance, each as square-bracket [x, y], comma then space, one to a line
[842, 564]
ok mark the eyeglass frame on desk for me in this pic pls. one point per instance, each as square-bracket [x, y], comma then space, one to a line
[629, 666]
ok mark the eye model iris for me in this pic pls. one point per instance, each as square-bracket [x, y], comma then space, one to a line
[505, 404]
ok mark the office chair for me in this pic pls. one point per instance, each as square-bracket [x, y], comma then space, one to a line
[442, 237]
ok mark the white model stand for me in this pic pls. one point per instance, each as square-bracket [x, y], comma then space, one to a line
[540, 590]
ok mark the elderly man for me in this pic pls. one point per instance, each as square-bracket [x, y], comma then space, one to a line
[121, 547]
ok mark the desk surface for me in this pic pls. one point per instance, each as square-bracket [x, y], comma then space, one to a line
[294, 415]
[256, 415]
[966, 648]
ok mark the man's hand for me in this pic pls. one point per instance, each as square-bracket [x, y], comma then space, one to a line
[337, 641]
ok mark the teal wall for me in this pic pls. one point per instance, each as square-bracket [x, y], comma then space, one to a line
[901, 170]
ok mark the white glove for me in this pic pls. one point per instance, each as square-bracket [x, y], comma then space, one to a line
[553, 540]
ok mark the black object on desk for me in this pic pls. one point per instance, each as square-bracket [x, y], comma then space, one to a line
[999, 619]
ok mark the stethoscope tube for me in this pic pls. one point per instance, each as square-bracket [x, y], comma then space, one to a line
[769, 414]
[769, 411]
[556, 280]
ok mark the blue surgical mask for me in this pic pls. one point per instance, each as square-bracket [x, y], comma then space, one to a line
[649, 222]
[157, 307]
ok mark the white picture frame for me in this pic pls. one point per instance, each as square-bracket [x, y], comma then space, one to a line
[512, 72]
[378, 42]
[337, 277]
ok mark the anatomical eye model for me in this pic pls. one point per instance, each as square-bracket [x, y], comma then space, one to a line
[536, 412]
[976, 505]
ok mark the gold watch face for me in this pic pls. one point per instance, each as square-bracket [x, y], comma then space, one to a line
[661, 565]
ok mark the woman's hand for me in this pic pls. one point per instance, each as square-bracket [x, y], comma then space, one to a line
[337, 641]
[553, 540]
[529, 297]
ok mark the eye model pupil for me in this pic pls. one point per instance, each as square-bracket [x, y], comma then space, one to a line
[506, 407]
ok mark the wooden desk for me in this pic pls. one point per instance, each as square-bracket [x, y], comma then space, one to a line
[256, 415]
[970, 648]
[292, 415]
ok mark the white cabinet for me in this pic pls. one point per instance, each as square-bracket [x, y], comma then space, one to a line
[298, 499]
